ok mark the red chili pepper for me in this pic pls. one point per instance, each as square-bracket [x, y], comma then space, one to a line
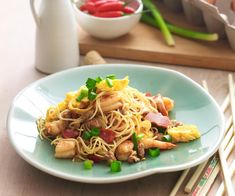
[90, 6]
[83, 7]
[110, 14]
[107, 135]
[99, 3]
[94, 158]
[111, 6]
[70, 133]
[128, 10]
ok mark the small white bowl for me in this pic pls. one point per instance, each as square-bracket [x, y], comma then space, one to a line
[109, 28]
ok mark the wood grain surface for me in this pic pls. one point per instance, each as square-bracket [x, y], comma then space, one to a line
[147, 44]
[17, 177]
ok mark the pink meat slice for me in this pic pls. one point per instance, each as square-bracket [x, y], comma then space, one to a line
[158, 119]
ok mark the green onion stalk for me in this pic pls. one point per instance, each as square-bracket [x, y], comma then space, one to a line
[159, 21]
[181, 31]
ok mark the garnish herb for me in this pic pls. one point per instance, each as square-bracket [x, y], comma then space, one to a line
[115, 166]
[92, 95]
[167, 138]
[86, 135]
[109, 82]
[91, 86]
[154, 152]
[82, 95]
[87, 164]
[135, 141]
[99, 79]
[90, 83]
[111, 76]
[95, 131]
[140, 136]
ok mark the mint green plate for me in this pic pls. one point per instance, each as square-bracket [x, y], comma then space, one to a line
[193, 105]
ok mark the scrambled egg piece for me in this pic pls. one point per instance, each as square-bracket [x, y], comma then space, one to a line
[118, 84]
[52, 114]
[184, 133]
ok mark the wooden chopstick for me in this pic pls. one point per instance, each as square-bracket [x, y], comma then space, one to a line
[228, 149]
[189, 186]
[232, 101]
[206, 179]
[208, 173]
[220, 191]
[227, 179]
[222, 154]
[179, 182]
[200, 168]
[193, 179]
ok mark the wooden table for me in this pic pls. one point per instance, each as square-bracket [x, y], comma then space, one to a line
[17, 177]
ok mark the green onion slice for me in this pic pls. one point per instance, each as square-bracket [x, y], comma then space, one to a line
[95, 131]
[86, 135]
[154, 152]
[109, 82]
[111, 76]
[82, 95]
[99, 79]
[135, 141]
[87, 164]
[167, 138]
[90, 83]
[140, 136]
[115, 166]
[91, 95]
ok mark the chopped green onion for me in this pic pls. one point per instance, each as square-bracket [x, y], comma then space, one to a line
[154, 152]
[115, 166]
[86, 135]
[87, 164]
[91, 95]
[140, 136]
[90, 83]
[109, 82]
[167, 138]
[98, 79]
[95, 131]
[135, 141]
[111, 76]
[82, 95]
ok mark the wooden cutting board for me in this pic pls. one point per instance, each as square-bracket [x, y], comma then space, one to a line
[145, 43]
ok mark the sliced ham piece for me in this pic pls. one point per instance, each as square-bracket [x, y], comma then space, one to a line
[158, 119]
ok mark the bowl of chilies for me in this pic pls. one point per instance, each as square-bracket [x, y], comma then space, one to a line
[108, 19]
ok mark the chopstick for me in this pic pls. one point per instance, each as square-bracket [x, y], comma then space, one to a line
[197, 172]
[206, 185]
[185, 172]
[179, 182]
[227, 179]
[201, 167]
[225, 145]
[232, 101]
[216, 170]
[220, 191]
